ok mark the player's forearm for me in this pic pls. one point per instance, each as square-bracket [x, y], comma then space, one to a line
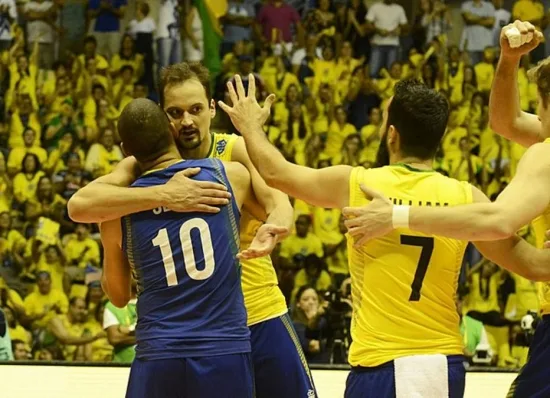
[282, 213]
[267, 159]
[71, 340]
[504, 102]
[475, 222]
[516, 255]
[100, 202]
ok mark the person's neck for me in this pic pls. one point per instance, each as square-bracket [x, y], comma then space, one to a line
[417, 163]
[200, 152]
[167, 159]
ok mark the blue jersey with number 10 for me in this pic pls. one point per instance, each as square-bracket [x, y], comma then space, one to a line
[190, 302]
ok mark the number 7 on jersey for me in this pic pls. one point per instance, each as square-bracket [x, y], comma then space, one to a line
[427, 245]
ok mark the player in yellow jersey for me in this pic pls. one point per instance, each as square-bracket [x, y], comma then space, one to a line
[280, 369]
[405, 326]
[527, 197]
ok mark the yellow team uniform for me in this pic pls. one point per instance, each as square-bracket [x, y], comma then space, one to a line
[262, 298]
[388, 288]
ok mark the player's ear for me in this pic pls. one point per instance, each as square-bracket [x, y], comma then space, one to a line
[392, 134]
[212, 108]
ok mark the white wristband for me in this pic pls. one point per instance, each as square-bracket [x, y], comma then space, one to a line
[400, 216]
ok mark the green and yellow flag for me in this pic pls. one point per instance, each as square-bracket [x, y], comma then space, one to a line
[210, 12]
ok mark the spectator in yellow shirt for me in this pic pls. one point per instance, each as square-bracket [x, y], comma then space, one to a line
[25, 182]
[17, 332]
[69, 330]
[104, 155]
[15, 159]
[351, 153]
[465, 166]
[12, 243]
[80, 249]
[6, 186]
[46, 203]
[53, 262]
[303, 242]
[338, 131]
[42, 305]
[24, 116]
[485, 70]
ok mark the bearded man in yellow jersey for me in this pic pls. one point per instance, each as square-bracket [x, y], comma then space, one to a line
[405, 326]
[526, 198]
[280, 369]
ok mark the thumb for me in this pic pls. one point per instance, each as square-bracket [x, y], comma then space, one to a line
[269, 101]
[370, 193]
[276, 230]
[226, 108]
[190, 172]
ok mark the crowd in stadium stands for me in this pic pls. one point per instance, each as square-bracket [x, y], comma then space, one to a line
[68, 68]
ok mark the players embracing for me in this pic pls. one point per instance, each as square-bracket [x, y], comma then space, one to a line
[280, 369]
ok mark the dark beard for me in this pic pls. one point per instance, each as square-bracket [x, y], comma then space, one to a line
[383, 155]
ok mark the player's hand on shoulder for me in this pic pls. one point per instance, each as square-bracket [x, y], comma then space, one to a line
[267, 237]
[370, 221]
[183, 194]
[519, 38]
[245, 113]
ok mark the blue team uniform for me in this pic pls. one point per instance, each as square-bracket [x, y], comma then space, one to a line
[192, 338]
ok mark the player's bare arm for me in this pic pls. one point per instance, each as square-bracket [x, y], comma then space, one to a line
[505, 114]
[513, 253]
[328, 187]
[110, 197]
[526, 197]
[277, 207]
[116, 279]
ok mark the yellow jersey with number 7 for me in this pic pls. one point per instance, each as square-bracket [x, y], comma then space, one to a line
[404, 283]
[262, 297]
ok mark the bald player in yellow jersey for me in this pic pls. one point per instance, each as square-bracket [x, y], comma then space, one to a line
[280, 369]
[526, 198]
[405, 325]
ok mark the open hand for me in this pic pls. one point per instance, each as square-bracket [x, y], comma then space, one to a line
[246, 114]
[264, 242]
[370, 221]
[183, 194]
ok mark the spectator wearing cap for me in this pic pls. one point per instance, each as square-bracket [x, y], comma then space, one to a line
[479, 17]
[386, 20]
[275, 23]
[42, 305]
[107, 14]
[69, 331]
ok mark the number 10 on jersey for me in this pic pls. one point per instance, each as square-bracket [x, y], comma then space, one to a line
[162, 241]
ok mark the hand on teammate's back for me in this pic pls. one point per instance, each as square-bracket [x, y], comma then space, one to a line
[246, 114]
[184, 194]
[370, 221]
[525, 29]
[265, 240]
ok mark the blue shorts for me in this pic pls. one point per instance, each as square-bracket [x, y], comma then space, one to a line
[228, 376]
[379, 381]
[533, 380]
[280, 367]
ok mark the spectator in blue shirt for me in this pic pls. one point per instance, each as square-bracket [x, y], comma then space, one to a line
[107, 14]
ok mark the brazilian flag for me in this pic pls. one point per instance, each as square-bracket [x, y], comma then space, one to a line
[210, 11]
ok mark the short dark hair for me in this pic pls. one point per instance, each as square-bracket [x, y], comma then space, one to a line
[179, 73]
[144, 8]
[420, 116]
[90, 39]
[144, 129]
